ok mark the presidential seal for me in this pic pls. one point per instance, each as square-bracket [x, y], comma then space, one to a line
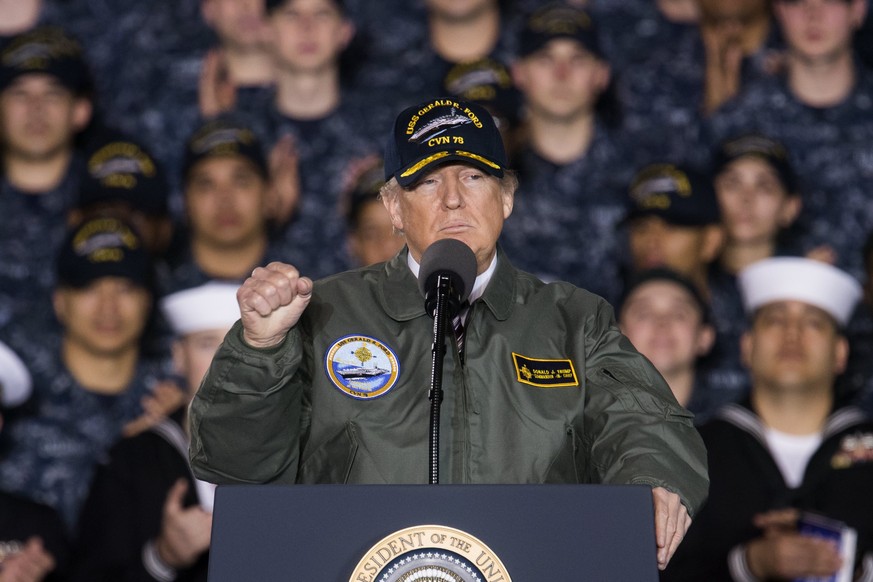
[361, 367]
[430, 553]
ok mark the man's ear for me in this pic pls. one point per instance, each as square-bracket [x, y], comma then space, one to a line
[207, 12]
[519, 75]
[391, 200]
[705, 340]
[713, 240]
[604, 75]
[59, 305]
[790, 210]
[82, 110]
[508, 202]
[347, 33]
[841, 354]
[746, 349]
[177, 351]
[859, 12]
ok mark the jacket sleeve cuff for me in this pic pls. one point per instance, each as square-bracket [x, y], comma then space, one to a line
[738, 566]
[154, 565]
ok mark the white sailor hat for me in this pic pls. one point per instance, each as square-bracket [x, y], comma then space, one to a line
[209, 306]
[799, 279]
[15, 380]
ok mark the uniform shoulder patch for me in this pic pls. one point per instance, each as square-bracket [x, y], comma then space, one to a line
[544, 373]
[361, 367]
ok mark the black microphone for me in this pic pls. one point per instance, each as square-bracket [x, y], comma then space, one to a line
[454, 260]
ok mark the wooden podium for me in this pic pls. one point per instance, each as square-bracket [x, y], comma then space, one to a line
[539, 533]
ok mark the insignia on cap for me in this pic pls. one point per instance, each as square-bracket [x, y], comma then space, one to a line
[439, 125]
[37, 49]
[116, 165]
[224, 140]
[660, 179]
[361, 367]
[104, 240]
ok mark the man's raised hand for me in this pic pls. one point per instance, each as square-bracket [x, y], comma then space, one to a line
[271, 302]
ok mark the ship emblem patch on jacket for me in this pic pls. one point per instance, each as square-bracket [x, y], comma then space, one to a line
[361, 367]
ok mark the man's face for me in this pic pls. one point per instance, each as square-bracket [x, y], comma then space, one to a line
[193, 353]
[454, 201]
[373, 239]
[820, 30]
[793, 346]
[309, 35]
[754, 203]
[562, 80]
[241, 23]
[225, 198]
[656, 243]
[664, 322]
[105, 318]
[39, 117]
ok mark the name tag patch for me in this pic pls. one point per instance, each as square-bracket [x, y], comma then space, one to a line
[544, 373]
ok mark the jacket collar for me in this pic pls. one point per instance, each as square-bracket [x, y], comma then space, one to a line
[399, 296]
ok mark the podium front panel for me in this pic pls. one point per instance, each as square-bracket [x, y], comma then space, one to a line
[319, 533]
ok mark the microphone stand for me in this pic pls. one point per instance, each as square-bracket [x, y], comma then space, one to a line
[436, 379]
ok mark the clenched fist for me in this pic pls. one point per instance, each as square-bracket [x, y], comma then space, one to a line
[271, 302]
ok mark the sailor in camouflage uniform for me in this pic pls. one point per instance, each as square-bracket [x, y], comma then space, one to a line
[90, 381]
[328, 128]
[226, 232]
[570, 197]
[664, 95]
[824, 117]
[44, 103]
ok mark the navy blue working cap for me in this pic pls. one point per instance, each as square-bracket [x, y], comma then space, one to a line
[558, 20]
[488, 82]
[224, 136]
[758, 146]
[439, 131]
[678, 194]
[103, 247]
[45, 50]
[121, 170]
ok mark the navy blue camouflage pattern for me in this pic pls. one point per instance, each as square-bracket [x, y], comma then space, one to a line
[314, 240]
[52, 453]
[564, 223]
[831, 150]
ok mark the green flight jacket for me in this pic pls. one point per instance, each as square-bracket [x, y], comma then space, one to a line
[550, 392]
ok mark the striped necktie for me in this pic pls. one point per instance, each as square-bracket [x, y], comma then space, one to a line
[458, 327]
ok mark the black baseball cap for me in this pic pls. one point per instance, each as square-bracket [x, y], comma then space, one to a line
[486, 81]
[224, 136]
[558, 20]
[103, 247]
[439, 131]
[121, 170]
[759, 146]
[676, 193]
[46, 50]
